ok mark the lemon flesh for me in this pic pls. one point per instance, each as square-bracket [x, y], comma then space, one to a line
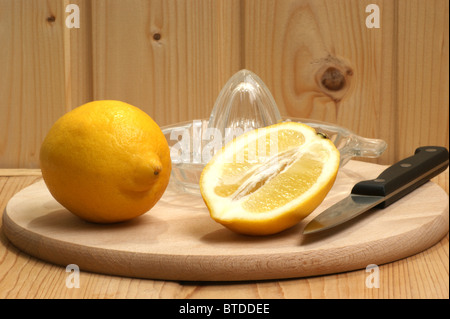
[269, 179]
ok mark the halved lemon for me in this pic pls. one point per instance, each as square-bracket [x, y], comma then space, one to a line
[269, 179]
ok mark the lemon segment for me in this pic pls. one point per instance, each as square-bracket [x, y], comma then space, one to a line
[269, 179]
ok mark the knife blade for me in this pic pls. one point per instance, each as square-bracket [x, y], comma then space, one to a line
[392, 184]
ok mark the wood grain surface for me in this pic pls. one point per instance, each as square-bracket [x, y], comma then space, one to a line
[172, 57]
[424, 275]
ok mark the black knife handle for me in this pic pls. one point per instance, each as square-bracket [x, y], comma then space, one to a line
[403, 177]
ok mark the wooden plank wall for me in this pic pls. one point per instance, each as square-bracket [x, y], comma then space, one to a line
[172, 57]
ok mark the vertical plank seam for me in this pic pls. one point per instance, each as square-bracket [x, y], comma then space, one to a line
[242, 35]
[395, 84]
[90, 50]
[67, 61]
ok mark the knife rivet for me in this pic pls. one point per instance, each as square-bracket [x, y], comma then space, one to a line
[405, 165]
[379, 180]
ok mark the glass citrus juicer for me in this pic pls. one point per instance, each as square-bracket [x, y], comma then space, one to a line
[245, 103]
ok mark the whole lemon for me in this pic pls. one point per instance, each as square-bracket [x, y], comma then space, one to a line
[106, 161]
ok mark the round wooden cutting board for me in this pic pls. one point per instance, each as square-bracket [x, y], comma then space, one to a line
[177, 240]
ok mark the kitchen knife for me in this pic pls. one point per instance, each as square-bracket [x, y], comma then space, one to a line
[391, 185]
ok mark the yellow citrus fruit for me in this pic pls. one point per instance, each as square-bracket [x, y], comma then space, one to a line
[106, 161]
[269, 179]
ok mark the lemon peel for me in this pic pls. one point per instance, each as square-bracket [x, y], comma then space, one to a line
[106, 161]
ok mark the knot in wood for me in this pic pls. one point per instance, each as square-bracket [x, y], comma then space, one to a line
[333, 79]
[157, 36]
